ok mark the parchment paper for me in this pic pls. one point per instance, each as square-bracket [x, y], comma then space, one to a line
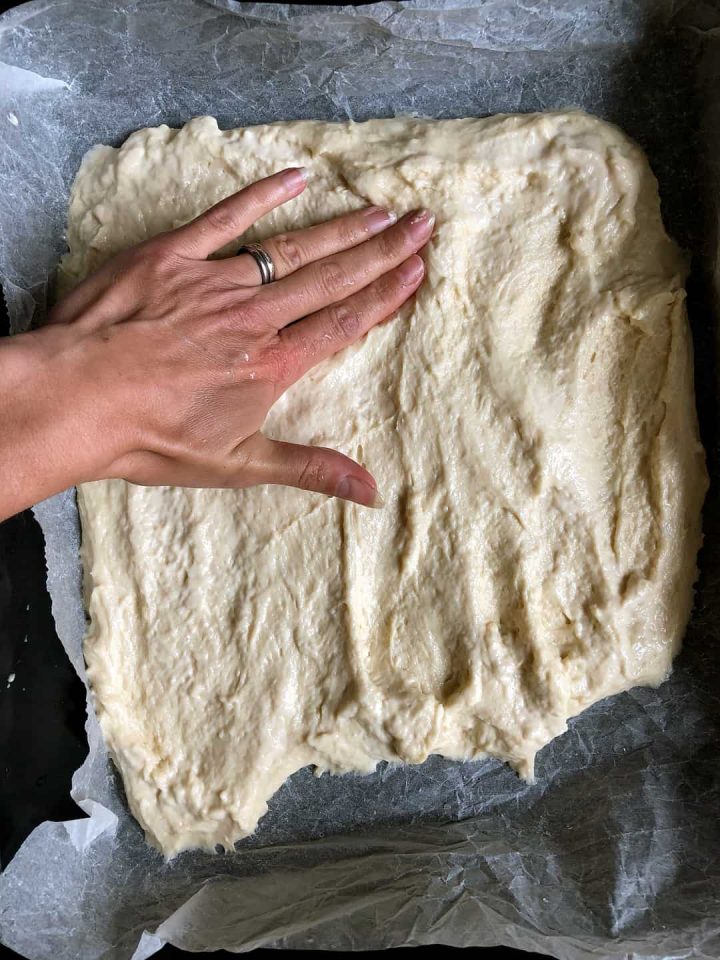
[615, 849]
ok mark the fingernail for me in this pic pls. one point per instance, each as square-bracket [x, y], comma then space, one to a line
[296, 176]
[421, 222]
[352, 488]
[411, 271]
[378, 219]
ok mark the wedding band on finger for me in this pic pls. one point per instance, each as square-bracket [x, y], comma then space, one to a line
[262, 258]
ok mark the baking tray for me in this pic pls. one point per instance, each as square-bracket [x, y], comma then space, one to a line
[615, 849]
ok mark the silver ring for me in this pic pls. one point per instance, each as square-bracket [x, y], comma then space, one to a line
[262, 258]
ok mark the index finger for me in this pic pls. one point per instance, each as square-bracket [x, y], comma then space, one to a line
[231, 217]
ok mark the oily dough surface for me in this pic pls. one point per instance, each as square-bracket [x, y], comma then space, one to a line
[531, 423]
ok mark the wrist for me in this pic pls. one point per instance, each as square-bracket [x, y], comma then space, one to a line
[53, 436]
[78, 374]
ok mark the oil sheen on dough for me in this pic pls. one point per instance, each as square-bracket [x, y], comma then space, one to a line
[531, 423]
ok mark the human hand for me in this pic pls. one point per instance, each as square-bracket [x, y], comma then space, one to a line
[176, 359]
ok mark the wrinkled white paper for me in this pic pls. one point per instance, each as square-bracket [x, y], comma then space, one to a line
[615, 848]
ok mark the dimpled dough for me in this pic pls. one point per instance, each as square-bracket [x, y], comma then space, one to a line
[531, 423]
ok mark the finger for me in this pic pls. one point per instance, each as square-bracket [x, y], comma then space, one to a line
[323, 334]
[231, 217]
[263, 461]
[291, 251]
[335, 278]
[313, 468]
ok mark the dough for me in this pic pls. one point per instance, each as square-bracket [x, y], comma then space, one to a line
[531, 423]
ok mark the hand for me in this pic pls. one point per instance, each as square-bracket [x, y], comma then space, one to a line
[177, 359]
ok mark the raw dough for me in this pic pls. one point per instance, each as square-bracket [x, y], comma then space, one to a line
[531, 423]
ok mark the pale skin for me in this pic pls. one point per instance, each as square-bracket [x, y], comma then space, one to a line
[161, 367]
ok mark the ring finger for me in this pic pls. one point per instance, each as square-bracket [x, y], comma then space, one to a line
[291, 251]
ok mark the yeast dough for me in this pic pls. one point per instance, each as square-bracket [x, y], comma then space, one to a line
[530, 420]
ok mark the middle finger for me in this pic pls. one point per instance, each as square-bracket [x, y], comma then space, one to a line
[291, 251]
[334, 278]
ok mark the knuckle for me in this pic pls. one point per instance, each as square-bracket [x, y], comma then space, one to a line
[251, 313]
[391, 244]
[288, 251]
[154, 250]
[385, 289]
[221, 219]
[350, 231]
[279, 363]
[162, 244]
[313, 474]
[158, 259]
[332, 278]
[144, 267]
[344, 322]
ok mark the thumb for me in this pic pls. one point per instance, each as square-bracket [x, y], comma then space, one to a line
[313, 468]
